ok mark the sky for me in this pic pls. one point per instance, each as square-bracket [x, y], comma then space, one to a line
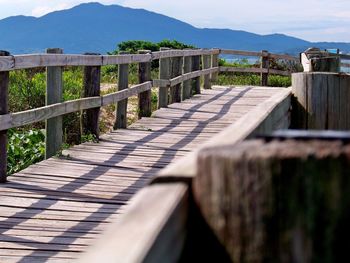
[312, 20]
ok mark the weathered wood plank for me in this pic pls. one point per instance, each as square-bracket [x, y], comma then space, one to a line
[176, 70]
[243, 70]
[4, 100]
[54, 94]
[186, 86]
[196, 82]
[164, 74]
[206, 62]
[159, 212]
[144, 98]
[92, 88]
[265, 64]
[123, 83]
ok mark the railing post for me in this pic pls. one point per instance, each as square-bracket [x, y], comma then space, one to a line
[214, 64]
[145, 107]
[164, 73]
[196, 83]
[4, 98]
[206, 64]
[186, 86]
[123, 82]
[176, 70]
[92, 88]
[264, 65]
[54, 91]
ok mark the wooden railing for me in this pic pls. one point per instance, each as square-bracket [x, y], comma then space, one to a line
[187, 70]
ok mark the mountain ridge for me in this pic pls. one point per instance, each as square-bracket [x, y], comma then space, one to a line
[93, 27]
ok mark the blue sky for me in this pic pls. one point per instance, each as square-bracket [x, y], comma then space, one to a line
[313, 20]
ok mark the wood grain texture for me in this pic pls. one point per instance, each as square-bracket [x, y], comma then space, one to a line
[245, 126]
[54, 94]
[144, 98]
[123, 83]
[321, 101]
[92, 88]
[159, 212]
[56, 209]
[186, 86]
[176, 71]
[164, 74]
[253, 194]
[206, 62]
[39, 114]
[4, 100]
[196, 83]
[265, 64]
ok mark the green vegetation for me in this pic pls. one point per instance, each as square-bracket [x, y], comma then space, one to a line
[27, 91]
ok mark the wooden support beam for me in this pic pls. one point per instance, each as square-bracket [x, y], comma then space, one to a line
[123, 82]
[321, 101]
[214, 64]
[54, 94]
[186, 86]
[145, 107]
[164, 73]
[278, 201]
[196, 83]
[4, 98]
[265, 64]
[206, 64]
[92, 88]
[176, 70]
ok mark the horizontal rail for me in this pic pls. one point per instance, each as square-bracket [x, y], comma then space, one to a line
[177, 80]
[8, 63]
[345, 65]
[18, 119]
[244, 70]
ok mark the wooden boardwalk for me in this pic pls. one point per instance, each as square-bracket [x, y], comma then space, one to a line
[53, 210]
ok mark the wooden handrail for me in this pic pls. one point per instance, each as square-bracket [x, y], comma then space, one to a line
[92, 103]
[8, 63]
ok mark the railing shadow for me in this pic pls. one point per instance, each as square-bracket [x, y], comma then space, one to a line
[94, 173]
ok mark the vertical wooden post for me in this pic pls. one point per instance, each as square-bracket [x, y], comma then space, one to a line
[282, 201]
[186, 86]
[321, 101]
[92, 88]
[123, 82]
[176, 70]
[4, 98]
[164, 73]
[214, 64]
[264, 65]
[196, 83]
[145, 107]
[206, 64]
[54, 91]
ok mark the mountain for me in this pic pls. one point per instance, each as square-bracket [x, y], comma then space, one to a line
[94, 27]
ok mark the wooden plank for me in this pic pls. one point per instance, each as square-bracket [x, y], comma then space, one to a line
[92, 88]
[176, 70]
[243, 70]
[214, 64]
[123, 83]
[4, 100]
[265, 64]
[206, 62]
[164, 74]
[154, 209]
[196, 83]
[240, 53]
[144, 98]
[185, 168]
[243, 197]
[186, 86]
[39, 114]
[54, 94]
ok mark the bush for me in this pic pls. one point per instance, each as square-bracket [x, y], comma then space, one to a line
[24, 148]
